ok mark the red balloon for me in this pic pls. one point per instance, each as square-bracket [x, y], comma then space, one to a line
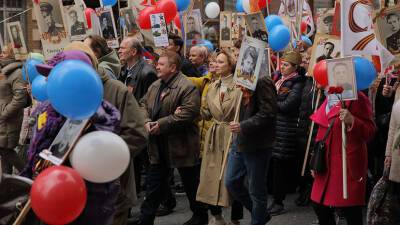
[321, 73]
[88, 12]
[144, 16]
[177, 21]
[169, 8]
[303, 27]
[263, 3]
[58, 195]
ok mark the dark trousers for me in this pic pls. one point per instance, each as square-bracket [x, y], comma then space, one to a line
[283, 177]
[157, 182]
[10, 158]
[326, 216]
[236, 210]
[141, 162]
[252, 166]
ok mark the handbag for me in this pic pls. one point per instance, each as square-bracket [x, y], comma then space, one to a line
[317, 160]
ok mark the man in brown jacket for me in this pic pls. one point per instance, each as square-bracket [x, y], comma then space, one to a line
[13, 100]
[174, 138]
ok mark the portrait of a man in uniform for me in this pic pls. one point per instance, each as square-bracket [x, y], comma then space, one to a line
[257, 26]
[393, 40]
[225, 30]
[77, 27]
[53, 28]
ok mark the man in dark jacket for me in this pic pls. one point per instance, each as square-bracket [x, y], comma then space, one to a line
[251, 150]
[136, 73]
[13, 100]
[174, 140]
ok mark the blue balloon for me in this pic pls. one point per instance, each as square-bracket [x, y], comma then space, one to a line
[365, 72]
[208, 44]
[39, 88]
[279, 38]
[30, 68]
[239, 6]
[109, 2]
[306, 40]
[74, 89]
[182, 5]
[271, 21]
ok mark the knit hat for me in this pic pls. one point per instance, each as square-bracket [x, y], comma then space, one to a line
[80, 46]
[45, 69]
[292, 57]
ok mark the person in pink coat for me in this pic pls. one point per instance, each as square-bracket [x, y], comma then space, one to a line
[327, 191]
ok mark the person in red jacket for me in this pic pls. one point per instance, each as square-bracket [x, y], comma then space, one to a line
[327, 191]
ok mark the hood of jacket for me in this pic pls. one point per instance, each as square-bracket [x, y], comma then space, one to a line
[111, 62]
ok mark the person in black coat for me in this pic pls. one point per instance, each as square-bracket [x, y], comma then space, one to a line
[289, 85]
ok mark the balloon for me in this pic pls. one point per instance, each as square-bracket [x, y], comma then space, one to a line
[320, 73]
[109, 2]
[168, 7]
[303, 27]
[144, 16]
[37, 56]
[212, 10]
[365, 72]
[396, 111]
[39, 88]
[58, 195]
[263, 3]
[182, 4]
[88, 12]
[246, 6]
[100, 156]
[74, 89]
[177, 21]
[239, 6]
[30, 68]
[207, 44]
[306, 40]
[279, 38]
[271, 21]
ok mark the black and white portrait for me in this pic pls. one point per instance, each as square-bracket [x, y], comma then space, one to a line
[64, 141]
[256, 26]
[249, 62]
[341, 74]
[324, 18]
[194, 25]
[389, 30]
[51, 17]
[325, 47]
[130, 24]
[17, 39]
[107, 26]
[76, 22]
[238, 26]
[225, 29]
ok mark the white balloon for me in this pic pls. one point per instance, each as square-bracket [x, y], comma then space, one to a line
[100, 156]
[246, 6]
[212, 10]
[396, 111]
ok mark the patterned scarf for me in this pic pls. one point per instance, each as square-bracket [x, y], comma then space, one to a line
[279, 83]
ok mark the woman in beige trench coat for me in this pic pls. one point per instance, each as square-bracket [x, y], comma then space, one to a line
[221, 101]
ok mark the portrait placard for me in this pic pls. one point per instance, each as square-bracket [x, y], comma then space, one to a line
[388, 31]
[129, 24]
[249, 62]
[64, 141]
[238, 27]
[159, 30]
[53, 33]
[75, 22]
[324, 20]
[324, 47]
[225, 27]
[341, 74]
[17, 40]
[194, 25]
[107, 25]
[256, 26]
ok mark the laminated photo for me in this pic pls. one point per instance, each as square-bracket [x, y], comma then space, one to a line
[107, 26]
[324, 47]
[75, 22]
[17, 40]
[341, 74]
[159, 30]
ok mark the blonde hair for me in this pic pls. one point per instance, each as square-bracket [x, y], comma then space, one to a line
[231, 59]
[8, 51]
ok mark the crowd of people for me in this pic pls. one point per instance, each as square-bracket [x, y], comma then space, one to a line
[232, 147]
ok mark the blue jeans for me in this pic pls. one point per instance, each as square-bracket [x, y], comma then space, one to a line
[254, 166]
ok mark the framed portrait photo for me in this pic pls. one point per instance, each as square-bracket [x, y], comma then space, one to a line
[325, 47]
[193, 25]
[75, 22]
[17, 40]
[225, 27]
[388, 27]
[130, 25]
[238, 26]
[64, 142]
[341, 74]
[107, 26]
[324, 20]
[256, 26]
[249, 62]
